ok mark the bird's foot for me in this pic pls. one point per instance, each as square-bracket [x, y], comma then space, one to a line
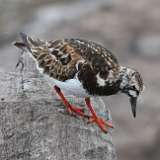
[72, 109]
[102, 124]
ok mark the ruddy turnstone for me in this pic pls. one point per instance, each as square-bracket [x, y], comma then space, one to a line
[83, 68]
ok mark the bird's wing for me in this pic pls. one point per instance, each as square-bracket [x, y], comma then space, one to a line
[55, 59]
[99, 68]
[62, 59]
[81, 53]
[98, 58]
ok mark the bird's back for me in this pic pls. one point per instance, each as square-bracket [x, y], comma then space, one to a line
[64, 59]
[65, 54]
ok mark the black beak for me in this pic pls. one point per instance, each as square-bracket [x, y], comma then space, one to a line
[133, 101]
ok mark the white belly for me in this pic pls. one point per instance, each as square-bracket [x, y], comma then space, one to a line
[69, 87]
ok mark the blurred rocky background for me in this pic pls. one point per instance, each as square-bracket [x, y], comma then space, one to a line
[130, 29]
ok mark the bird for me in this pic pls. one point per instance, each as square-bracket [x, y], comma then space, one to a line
[85, 69]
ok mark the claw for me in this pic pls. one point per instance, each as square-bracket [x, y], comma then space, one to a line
[103, 125]
[74, 109]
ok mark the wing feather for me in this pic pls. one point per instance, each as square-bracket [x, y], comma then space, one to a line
[62, 59]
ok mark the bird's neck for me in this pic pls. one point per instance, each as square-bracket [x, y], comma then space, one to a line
[123, 77]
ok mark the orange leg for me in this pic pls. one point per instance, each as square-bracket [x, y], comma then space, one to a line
[103, 125]
[70, 107]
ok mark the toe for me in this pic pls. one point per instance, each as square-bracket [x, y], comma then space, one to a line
[108, 124]
[102, 124]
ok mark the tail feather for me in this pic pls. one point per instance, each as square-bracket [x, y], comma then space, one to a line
[20, 45]
[24, 38]
[27, 42]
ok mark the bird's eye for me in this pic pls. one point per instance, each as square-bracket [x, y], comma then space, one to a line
[133, 88]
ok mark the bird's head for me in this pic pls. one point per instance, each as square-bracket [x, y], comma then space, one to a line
[132, 85]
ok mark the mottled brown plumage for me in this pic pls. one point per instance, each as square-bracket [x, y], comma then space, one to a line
[84, 67]
[59, 58]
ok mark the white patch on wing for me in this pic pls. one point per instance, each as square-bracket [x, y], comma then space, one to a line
[51, 49]
[101, 82]
[64, 56]
[78, 62]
